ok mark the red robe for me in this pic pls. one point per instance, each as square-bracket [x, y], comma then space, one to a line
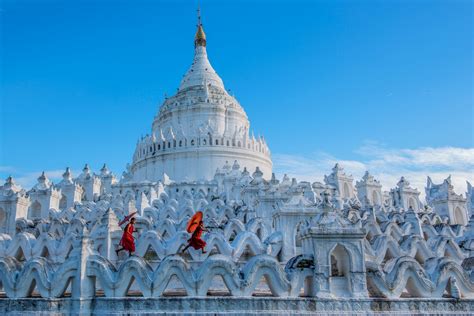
[196, 242]
[127, 241]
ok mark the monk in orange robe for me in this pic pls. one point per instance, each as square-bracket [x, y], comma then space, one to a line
[195, 241]
[128, 242]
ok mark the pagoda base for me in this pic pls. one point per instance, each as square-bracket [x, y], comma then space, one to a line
[232, 306]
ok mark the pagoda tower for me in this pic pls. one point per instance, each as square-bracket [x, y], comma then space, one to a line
[198, 129]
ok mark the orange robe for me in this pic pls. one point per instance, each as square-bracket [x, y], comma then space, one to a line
[196, 242]
[127, 241]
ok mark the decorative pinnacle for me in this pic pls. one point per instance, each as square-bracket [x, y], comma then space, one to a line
[67, 174]
[105, 170]
[200, 37]
[86, 168]
[9, 180]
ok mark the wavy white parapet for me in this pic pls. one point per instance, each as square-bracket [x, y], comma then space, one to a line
[49, 281]
[406, 274]
[243, 241]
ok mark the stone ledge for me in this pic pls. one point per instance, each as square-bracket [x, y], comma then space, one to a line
[233, 306]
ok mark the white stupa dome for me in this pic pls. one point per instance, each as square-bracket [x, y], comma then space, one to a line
[199, 129]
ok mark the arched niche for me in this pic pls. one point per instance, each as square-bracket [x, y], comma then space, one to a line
[3, 217]
[340, 262]
[376, 198]
[63, 202]
[298, 243]
[459, 216]
[412, 203]
[346, 191]
[35, 210]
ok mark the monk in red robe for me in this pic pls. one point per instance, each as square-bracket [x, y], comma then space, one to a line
[128, 242]
[195, 241]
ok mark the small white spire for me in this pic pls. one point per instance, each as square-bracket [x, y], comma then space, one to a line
[201, 70]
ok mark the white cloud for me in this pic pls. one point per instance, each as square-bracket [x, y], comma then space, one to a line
[387, 165]
[442, 157]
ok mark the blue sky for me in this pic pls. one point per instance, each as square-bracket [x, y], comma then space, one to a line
[363, 82]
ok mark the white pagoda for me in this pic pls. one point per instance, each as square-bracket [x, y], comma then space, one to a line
[199, 128]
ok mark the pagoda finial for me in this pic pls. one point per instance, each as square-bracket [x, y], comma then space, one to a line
[200, 37]
[199, 15]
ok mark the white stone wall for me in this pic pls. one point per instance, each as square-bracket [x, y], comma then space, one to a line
[256, 227]
[199, 163]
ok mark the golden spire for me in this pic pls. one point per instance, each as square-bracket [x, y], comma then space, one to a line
[200, 37]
